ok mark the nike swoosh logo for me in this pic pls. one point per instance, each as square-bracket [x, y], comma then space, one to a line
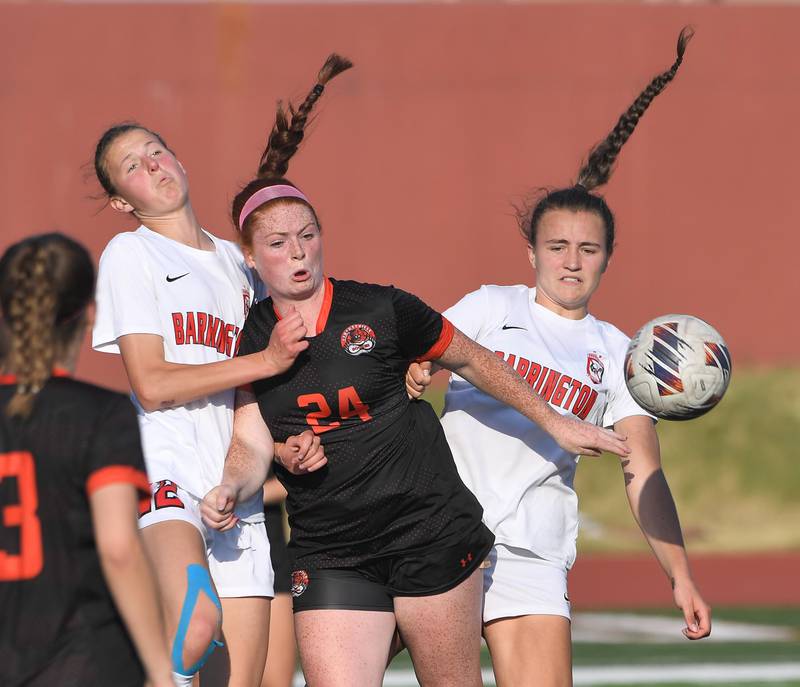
[508, 326]
[181, 276]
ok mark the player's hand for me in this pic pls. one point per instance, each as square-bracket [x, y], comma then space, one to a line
[696, 612]
[286, 342]
[418, 377]
[217, 506]
[585, 439]
[302, 453]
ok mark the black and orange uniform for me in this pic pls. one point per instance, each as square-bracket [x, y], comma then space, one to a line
[389, 502]
[58, 624]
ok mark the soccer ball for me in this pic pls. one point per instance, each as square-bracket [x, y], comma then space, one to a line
[677, 367]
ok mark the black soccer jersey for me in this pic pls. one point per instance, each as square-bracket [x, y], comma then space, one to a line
[58, 624]
[390, 485]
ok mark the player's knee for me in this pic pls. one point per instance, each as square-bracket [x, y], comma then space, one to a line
[198, 628]
[202, 631]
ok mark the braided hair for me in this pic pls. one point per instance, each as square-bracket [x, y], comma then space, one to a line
[597, 169]
[46, 282]
[285, 137]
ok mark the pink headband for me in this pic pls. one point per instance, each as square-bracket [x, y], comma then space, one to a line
[266, 194]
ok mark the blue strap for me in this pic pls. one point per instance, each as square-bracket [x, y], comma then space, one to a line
[198, 581]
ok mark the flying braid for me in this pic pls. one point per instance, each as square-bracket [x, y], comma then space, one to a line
[598, 168]
[289, 128]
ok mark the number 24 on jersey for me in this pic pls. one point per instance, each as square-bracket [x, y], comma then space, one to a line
[350, 405]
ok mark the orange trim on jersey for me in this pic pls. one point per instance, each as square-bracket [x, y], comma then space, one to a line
[445, 337]
[12, 379]
[114, 474]
[327, 301]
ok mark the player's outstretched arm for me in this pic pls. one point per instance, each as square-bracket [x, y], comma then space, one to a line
[161, 384]
[653, 507]
[130, 577]
[488, 373]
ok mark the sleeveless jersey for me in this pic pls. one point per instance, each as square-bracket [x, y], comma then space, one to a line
[523, 479]
[59, 625]
[390, 485]
[196, 300]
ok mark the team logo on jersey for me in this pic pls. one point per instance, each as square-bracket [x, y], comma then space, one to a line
[358, 339]
[595, 367]
[246, 299]
[299, 582]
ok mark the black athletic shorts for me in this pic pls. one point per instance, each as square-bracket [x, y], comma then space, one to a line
[374, 585]
[278, 553]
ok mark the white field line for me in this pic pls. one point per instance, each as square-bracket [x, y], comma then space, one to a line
[625, 628]
[702, 674]
[706, 673]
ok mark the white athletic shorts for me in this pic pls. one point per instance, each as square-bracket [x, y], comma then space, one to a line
[516, 582]
[238, 559]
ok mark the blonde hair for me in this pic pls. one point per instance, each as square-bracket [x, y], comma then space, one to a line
[46, 282]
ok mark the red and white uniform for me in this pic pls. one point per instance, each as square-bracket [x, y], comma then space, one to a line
[522, 478]
[196, 301]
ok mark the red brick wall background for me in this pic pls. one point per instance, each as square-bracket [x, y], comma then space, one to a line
[452, 113]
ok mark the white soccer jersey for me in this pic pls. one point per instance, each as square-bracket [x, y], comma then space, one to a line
[522, 478]
[196, 300]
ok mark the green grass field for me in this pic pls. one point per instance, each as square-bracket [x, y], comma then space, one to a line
[733, 473]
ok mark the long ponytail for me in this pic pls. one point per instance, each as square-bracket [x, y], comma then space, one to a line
[285, 137]
[599, 166]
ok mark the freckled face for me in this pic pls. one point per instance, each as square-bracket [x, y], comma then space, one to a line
[287, 250]
[148, 178]
[569, 257]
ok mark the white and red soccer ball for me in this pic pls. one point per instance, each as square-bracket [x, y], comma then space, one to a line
[677, 367]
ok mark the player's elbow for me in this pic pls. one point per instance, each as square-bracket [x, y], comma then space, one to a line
[120, 551]
[152, 395]
[150, 403]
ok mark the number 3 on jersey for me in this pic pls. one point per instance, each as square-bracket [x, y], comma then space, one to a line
[28, 562]
[350, 405]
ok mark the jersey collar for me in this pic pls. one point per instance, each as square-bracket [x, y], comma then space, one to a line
[324, 311]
